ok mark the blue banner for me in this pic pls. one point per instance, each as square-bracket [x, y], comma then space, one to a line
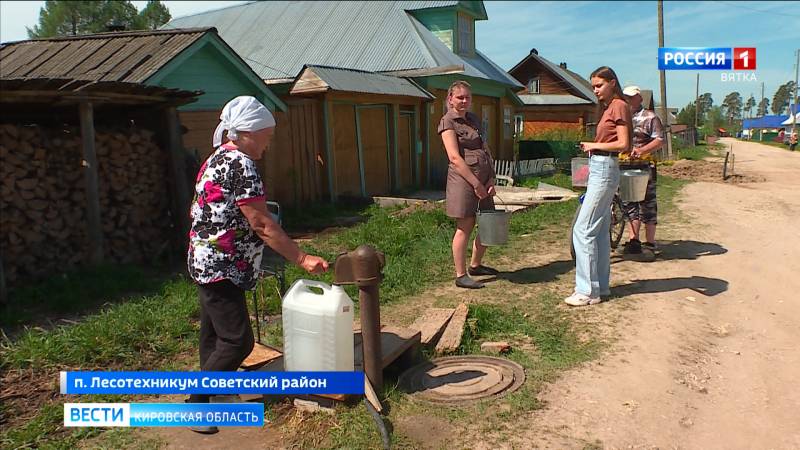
[695, 58]
[163, 414]
[280, 383]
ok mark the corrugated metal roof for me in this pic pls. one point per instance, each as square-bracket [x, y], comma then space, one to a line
[553, 99]
[130, 57]
[278, 38]
[348, 80]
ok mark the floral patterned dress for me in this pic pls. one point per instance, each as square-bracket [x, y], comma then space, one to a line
[221, 243]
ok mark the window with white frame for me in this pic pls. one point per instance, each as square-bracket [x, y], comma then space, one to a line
[533, 86]
[465, 34]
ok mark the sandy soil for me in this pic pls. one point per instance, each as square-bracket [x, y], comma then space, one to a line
[710, 358]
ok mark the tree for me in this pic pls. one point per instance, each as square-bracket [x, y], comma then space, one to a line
[686, 115]
[704, 103]
[715, 119]
[733, 106]
[782, 96]
[72, 18]
[762, 107]
[154, 15]
[748, 107]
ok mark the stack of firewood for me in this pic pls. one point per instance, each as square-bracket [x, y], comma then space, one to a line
[43, 216]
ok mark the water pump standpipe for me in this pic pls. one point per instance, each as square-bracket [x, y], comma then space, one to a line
[362, 267]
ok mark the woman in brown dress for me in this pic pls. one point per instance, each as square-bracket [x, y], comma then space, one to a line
[470, 180]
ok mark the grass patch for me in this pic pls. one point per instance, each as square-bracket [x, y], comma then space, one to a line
[76, 291]
[558, 179]
[695, 153]
[667, 189]
[543, 339]
[131, 334]
[321, 215]
[145, 333]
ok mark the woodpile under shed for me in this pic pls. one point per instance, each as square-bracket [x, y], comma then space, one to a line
[43, 225]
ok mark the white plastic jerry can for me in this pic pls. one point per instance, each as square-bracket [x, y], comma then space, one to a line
[317, 328]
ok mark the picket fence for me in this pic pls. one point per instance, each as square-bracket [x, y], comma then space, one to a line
[524, 168]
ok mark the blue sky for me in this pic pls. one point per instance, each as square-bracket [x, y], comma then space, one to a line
[589, 34]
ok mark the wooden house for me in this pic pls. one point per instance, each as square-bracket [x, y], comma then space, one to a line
[365, 84]
[554, 97]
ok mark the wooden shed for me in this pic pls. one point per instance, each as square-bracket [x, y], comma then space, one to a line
[107, 109]
[92, 171]
[364, 138]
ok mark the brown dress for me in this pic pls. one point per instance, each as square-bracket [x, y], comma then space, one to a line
[461, 199]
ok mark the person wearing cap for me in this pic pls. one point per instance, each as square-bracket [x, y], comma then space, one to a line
[648, 136]
[230, 225]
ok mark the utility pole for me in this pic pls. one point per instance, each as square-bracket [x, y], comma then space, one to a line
[793, 114]
[696, 105]
[664, 113]
[761, 130]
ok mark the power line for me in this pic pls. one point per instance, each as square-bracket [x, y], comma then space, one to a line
[782, 14]
[268, 67]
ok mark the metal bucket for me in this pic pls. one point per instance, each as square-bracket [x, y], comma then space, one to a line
[493, 226]
[633, 185]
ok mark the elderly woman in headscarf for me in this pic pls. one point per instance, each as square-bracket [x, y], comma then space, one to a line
[230, 225]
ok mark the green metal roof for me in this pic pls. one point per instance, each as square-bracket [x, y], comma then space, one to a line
[278, 38]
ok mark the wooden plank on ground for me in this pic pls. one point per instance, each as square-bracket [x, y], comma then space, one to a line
[431, 323]
[371, 396]
[261, 355]
[451, 338]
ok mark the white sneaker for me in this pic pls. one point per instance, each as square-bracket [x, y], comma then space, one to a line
[577, 299]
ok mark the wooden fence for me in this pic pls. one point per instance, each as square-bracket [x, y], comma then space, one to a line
[524, 168]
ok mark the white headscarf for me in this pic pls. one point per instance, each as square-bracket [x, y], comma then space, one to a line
[243, 113]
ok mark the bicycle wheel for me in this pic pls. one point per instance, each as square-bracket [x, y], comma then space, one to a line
[618, 219]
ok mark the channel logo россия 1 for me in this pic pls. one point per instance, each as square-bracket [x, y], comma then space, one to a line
[706, 58]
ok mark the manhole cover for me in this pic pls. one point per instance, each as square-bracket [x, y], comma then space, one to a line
[457, 379]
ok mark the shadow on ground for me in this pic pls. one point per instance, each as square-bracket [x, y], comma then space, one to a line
[541, 274]
[702, 285]
[674, 250]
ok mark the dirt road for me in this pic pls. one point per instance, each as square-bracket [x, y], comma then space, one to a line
[708, 357]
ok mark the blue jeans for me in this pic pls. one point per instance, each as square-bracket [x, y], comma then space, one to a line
[591, 233]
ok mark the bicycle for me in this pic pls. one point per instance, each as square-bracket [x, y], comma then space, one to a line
[619, 217]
